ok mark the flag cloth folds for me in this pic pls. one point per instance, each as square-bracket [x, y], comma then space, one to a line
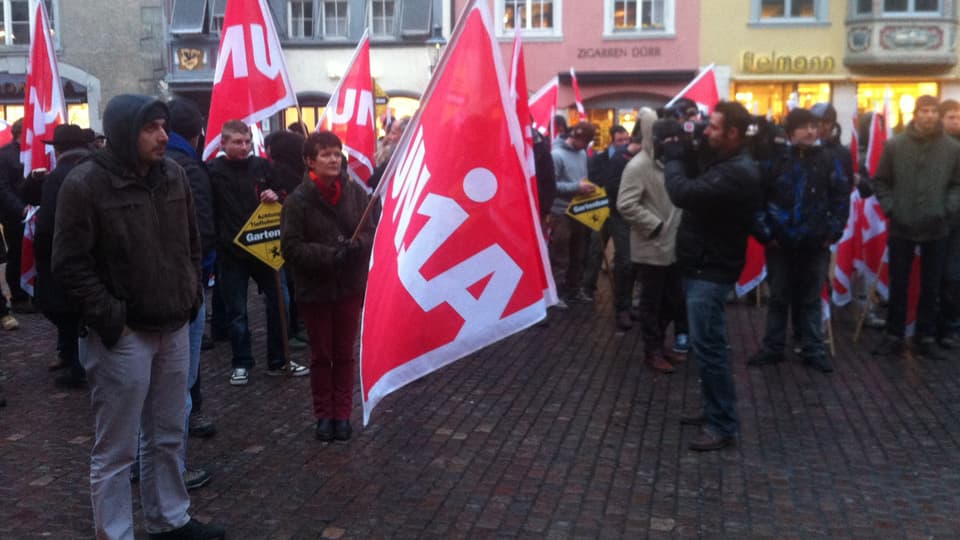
[576, 94]
[250, 82]
[754, 270]
[457, 258]
[28, 262]
[43, 106]
[350, 115]
[543, 107]
[702, 90]
[848, 250]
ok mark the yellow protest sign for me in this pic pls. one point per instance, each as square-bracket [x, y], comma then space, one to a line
[592, 210]
[260, 236]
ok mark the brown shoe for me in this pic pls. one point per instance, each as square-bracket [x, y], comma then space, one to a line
[624, 322]
[707, 441]
[657, 362]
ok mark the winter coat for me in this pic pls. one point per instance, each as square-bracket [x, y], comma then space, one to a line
[570, 167]
[646, 206]
[807, 198]
[180, 150]
[126, 246]
[312, 230]
[11, 176]
[718, 210]
[50, 296]
[918, 184]
[236, 185]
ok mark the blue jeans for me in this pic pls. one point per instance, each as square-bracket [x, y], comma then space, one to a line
[196, 336]
[708, 344]
[232, 282]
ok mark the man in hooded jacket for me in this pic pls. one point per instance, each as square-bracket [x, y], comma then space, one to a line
[126, 248]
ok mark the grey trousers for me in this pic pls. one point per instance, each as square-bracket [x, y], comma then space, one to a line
[137, 386]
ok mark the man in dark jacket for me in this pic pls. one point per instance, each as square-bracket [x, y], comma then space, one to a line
[240, 183]
[186, 124]
[126, 250]
[71, 147]
[918, 187]
[12, 210]
[718, 209]
[807, 203]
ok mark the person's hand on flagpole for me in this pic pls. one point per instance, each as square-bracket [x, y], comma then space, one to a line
[268, 195]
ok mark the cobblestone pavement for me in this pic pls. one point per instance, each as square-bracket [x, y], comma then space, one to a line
[558, 432]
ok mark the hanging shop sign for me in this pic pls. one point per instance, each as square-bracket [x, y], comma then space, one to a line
[752, 62]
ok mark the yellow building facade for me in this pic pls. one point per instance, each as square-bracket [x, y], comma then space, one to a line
[860, 55]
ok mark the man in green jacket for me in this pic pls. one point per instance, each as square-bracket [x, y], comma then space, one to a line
[918, 186]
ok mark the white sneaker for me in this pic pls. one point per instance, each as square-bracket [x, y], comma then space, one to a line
[291, 368]
[239, 377]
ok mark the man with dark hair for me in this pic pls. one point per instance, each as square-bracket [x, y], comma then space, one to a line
[718, 209]
[126, 249]
[807, 203]
[12, 211]
[918, 187]
[186, 125]
[240, 183]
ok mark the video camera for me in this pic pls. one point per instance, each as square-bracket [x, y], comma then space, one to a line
[682, 121]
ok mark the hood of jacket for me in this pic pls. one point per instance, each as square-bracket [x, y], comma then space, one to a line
[647, 117]
[122, 120]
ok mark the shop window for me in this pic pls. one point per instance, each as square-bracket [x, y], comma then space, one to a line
[911, 6]
[15, 21]
[774, 100]
[532, 17]
[789, 11]
[631, 17]
[898, 98]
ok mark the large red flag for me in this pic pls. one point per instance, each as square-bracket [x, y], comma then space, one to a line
[28, 264]
[457, 259]
[251, 81]
[878, 137]
[577, 96]
[754, 270]
[6, 134]
[350, 115]
[543, 107]
[44, 107]
[702, 90]
[848, 250]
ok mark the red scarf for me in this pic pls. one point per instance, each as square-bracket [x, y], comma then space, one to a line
[331, 194]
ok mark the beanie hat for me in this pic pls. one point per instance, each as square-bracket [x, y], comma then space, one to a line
[186, 119]
[796, 118]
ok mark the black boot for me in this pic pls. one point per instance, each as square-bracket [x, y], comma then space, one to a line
[193, 530]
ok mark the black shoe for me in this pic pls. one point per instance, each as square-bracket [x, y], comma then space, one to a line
[707, 441]
[342, 430]
[765, 358]
[927, 348]
[207, 343]
[693, 420]
[195, 478]
[324, 430]
[70, 381]
[820, 362]
[201, 426]
[193, 530]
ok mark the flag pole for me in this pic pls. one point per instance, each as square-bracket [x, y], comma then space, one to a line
[689, 86]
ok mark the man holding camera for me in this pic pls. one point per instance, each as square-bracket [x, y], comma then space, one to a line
[718, 208]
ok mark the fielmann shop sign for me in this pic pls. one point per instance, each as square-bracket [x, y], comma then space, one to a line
[752, 62]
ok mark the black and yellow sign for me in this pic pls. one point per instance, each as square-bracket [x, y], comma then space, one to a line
[261, 235]
[592, 210]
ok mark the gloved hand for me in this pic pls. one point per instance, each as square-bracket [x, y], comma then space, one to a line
[346, 251]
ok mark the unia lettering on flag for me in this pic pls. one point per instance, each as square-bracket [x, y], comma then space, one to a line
[350, 115]
[458, 256]
[44, 107]
[250, 82]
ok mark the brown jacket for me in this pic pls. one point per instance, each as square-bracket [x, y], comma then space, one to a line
[311, 232]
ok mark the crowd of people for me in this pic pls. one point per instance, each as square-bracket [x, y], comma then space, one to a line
[134, 243]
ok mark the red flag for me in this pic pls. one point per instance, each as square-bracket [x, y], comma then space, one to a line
[257, 142]
[855, 147]
[543, 107]
[350, 115]
[873, 238]
[848, 250]
[457, 257]
[6, 135]
[878, 137]
[702, 90]
[250, 82]
[44, 107]
[576, 95]
[28, 265]
[755, 269]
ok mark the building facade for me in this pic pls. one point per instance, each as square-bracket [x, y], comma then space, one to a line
[104, 48]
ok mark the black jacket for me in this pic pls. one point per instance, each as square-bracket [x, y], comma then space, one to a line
[11, 176]
[50, 296]
[200, 186]
[718, 210]
[237, 185]
[125, 245]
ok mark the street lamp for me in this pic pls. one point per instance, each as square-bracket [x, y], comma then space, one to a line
[434, 46]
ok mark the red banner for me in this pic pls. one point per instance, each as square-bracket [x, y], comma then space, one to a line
[251, 81]
[577, 96]
[543, 107]
[754, 270]
[458, 258]
[702, 90]
[350, 115]
[44, 107]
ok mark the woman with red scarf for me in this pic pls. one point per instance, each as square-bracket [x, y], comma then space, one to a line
[330, 273]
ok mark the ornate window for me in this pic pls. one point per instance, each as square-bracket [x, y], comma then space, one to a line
[15, 21]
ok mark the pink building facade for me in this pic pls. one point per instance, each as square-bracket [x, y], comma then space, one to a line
[626, 53]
